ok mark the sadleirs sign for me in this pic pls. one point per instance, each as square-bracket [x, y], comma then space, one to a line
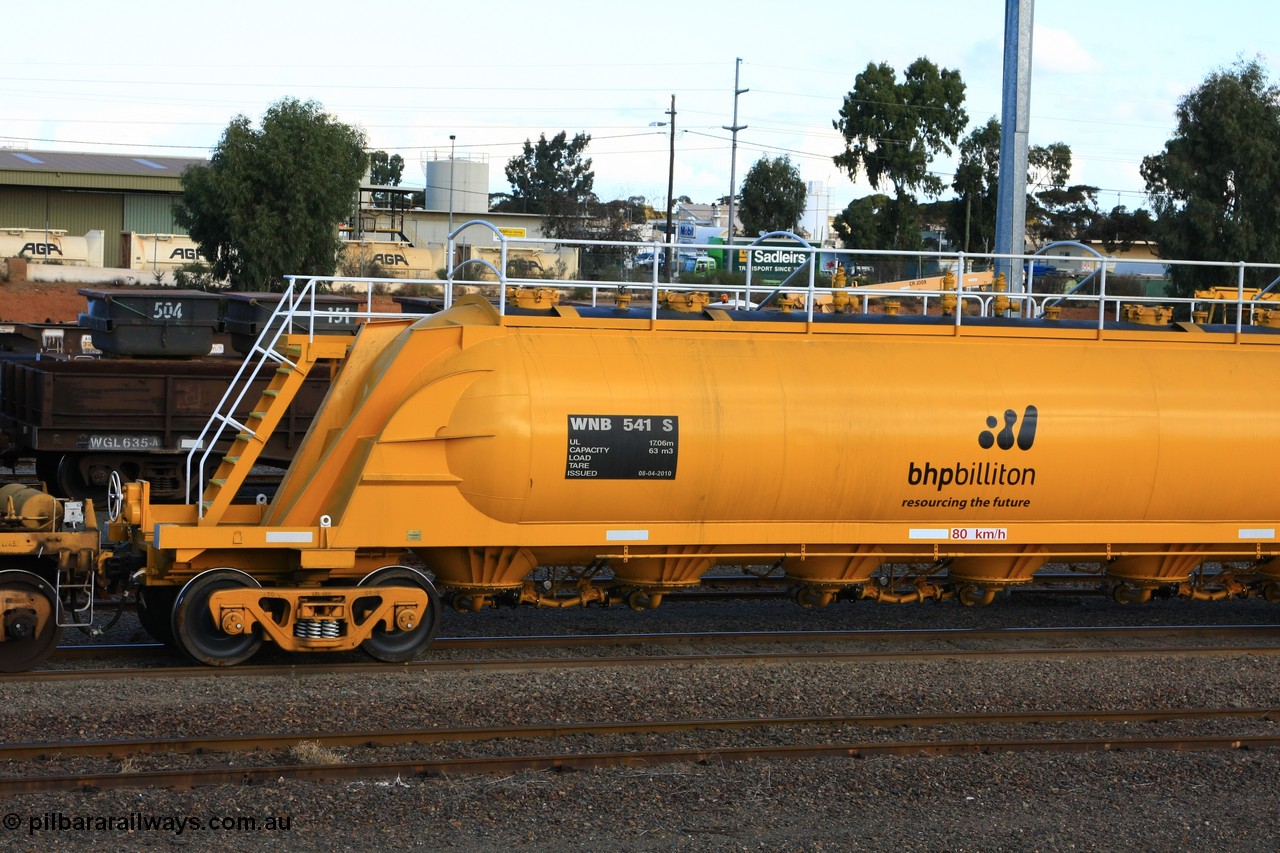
[772, 259]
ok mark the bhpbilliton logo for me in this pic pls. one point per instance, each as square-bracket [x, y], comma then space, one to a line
[1006, 438]
[1016, 431]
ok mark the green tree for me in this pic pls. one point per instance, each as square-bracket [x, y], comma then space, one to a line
[613, 222]
[1120, 229]
[1055, 210]
[893, 130]
[270, 199]
[972, 223]
[385, 171]
[862, 225]
[935, 217]
[773, 196]
[553, 179]
[639, 211]
[1214, 186]
[881, 222]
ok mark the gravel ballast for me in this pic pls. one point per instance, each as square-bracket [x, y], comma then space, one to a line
[1145, 800]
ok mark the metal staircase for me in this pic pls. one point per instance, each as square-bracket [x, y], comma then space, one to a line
[286, 354]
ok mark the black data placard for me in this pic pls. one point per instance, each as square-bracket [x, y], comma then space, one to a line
[623, 447]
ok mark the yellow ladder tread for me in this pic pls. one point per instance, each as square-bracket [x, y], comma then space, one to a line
[287, 369]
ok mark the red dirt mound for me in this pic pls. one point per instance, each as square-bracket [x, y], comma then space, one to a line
[23, 301]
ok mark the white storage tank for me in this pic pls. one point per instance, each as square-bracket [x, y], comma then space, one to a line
[158, 251]
[51, 246]
[469, 179]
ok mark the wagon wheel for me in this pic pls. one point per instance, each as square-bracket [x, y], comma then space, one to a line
[194, 629]
[26, 642]
[399, 645]
[71, 482]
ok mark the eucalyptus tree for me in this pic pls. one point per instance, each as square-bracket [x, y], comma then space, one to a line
[552, 178]
[1056, 209]
[270, 199]
[1214, 186]
[773, 196]
[894, 129]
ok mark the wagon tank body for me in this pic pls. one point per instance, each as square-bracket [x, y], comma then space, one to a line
[780, 439]
[490, 445]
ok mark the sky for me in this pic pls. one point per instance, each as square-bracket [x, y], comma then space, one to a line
[144, 77]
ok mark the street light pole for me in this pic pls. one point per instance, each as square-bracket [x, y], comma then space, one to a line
[671, 178]
[452, 137]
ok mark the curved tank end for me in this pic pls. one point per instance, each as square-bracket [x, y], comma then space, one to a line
[469, 310]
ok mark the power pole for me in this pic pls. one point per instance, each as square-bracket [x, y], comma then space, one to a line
[671, 179]
[1015, 121]
[733, 151]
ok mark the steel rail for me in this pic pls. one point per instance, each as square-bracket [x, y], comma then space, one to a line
[668, 638]
[121, 748]
[328, 668]
[630, 758]
[912, 634]
[868, 634]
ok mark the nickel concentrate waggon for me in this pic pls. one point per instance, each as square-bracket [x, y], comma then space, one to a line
[868, 442]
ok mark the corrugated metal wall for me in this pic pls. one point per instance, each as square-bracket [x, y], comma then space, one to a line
[150, 213]
[23, 207]
[87, 211]
[80, 212]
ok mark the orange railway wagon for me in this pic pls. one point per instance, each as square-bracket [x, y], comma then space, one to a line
[865, 454]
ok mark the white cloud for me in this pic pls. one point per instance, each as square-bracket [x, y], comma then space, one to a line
[1058, 51]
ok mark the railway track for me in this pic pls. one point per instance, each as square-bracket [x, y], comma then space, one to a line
[559, 663]
[1012, 646]
[531, 739]
[271, 749]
